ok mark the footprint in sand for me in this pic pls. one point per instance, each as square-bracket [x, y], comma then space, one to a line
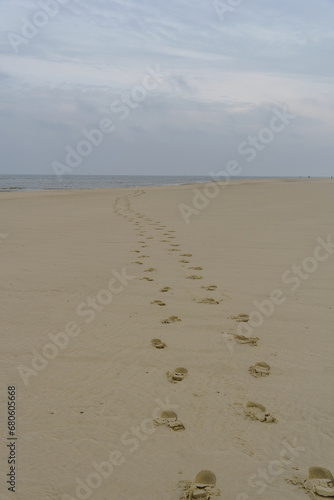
[209, 288]
[171, 319]
[150, 270]
[164, 241]
[169, 418]
[143, 256]
[174, 250]
[194, 277]
[184, 261]
[142, 242]
[256, 411]
[241, 339]
[174, 245]
[320, 482]
[137, 262]
[206, 301]
[186, 255]
[261, 369]
[146, 278]
[135, 251]
[158, 344]
[158, 302]
[177, 375]
[241, 318]
[149, 238]
[196, 269]
[165, 289]
[203, 487]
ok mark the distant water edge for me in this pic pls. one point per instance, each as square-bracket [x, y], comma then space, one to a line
[9, 183]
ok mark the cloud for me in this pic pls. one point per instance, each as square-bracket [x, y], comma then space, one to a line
[224, 78]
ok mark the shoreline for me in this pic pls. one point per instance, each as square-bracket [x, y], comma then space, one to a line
[195, 184]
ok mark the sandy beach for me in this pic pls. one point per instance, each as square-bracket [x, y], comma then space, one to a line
[89, 278]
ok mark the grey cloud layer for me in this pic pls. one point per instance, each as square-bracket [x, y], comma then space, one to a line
[224, 78]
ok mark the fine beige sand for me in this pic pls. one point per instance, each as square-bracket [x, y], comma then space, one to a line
[89, 383]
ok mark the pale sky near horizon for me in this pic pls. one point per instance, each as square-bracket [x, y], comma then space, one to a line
[224, 72]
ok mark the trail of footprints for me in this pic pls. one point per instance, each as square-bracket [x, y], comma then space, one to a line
[252, 410]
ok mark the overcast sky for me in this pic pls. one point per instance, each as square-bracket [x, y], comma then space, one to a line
[224, 70]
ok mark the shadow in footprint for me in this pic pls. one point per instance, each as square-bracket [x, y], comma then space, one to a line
[320, 482]
[241, 339]
[209, 288]
[241, 318]
[177, 375]
[158, 344]
[202, 488]
[171, 319]
[169, 418]
[260, 369]
[206, 301]
[158, 302]
[256, 411]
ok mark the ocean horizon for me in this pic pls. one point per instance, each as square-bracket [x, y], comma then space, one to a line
[20, 182]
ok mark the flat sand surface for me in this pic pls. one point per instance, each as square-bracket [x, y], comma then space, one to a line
[80, 274]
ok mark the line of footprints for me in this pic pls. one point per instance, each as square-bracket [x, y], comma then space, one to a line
[320, 481]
